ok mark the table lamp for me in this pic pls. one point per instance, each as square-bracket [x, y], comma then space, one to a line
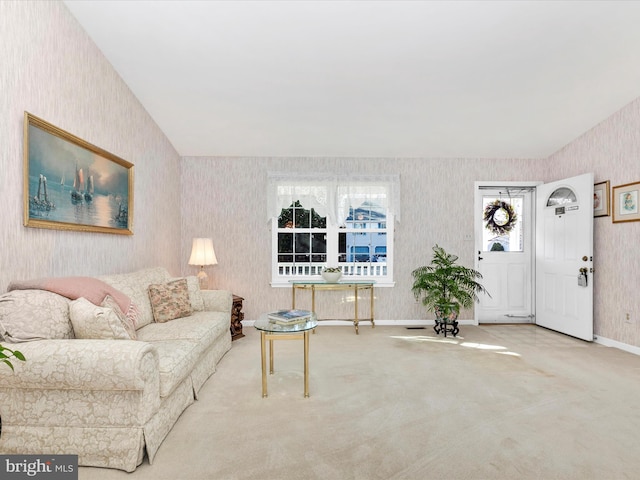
[202, 254]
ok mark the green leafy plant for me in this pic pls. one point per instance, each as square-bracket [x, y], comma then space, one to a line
[497, 247]
[446, 286]
[6, 354]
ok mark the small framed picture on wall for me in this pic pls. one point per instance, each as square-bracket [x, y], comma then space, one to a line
[625, 202]
[601, 199]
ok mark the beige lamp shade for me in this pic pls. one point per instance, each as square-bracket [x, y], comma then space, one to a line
[202, 254]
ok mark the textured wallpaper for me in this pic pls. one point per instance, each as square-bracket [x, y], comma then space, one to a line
[50, 68]
[225, 198]
[611, 151]
[228, 203]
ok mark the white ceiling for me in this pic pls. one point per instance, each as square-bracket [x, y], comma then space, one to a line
[372, 78]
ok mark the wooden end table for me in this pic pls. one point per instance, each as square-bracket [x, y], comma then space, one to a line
[236, 318]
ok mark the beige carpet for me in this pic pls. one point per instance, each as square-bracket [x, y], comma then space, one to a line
[497, 402]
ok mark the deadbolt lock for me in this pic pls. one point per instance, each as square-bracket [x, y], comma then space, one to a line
[585, 258]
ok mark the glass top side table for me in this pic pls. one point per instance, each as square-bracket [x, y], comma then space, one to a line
[270, 331]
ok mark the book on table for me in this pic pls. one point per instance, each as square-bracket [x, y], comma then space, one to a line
[289, 317]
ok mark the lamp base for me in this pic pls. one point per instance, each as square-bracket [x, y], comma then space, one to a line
[203, 279]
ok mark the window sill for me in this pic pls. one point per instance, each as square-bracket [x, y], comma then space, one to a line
[378, 283]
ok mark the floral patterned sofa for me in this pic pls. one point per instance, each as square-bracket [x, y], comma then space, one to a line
[94, 383]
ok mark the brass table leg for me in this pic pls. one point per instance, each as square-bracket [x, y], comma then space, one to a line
[306, 363]
[373, 323]
[264, 337]
[313, 302]
[355, 320]
[264, 363]
[270, 355]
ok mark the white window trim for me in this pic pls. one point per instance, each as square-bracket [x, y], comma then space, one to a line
[326, 193]
[278, 280]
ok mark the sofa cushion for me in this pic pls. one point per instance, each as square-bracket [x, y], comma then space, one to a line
[136, 286]
[27, 315]
[195, 295]
[93, 322]
[204, 327]
[170, 300]
[177, 358]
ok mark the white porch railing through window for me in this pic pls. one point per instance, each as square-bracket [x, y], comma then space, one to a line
[378, 269]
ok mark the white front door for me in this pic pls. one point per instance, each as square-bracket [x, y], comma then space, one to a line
[505, 252]
[564, 249]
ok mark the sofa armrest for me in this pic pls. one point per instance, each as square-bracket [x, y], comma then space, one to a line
[83, 365]
[79, 384]
[217, 300]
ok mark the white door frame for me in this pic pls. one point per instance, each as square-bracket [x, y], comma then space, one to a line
[478, 229]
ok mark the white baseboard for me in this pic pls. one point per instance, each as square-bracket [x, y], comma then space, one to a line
[607, 342]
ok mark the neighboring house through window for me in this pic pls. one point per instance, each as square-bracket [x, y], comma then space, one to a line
[325, 220]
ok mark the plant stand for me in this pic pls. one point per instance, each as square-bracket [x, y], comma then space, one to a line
[446, 327]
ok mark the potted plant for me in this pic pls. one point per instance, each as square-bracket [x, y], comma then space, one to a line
[445, 287]
[7, 353]
[331, 274]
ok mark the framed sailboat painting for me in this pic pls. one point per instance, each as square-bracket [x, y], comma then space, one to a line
[70, 184]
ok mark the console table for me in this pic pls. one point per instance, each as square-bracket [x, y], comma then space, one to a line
[353, 285]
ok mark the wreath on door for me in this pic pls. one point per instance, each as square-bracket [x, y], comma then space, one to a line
[500, 217]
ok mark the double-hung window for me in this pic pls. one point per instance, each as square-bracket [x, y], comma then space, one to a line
[324, 220]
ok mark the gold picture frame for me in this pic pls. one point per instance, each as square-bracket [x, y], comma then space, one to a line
[625, 202]
[601, 199]
[70, 184]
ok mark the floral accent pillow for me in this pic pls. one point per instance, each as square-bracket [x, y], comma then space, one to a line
[195, 295]
[170, 300]
[127, 322]
[93, 322]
